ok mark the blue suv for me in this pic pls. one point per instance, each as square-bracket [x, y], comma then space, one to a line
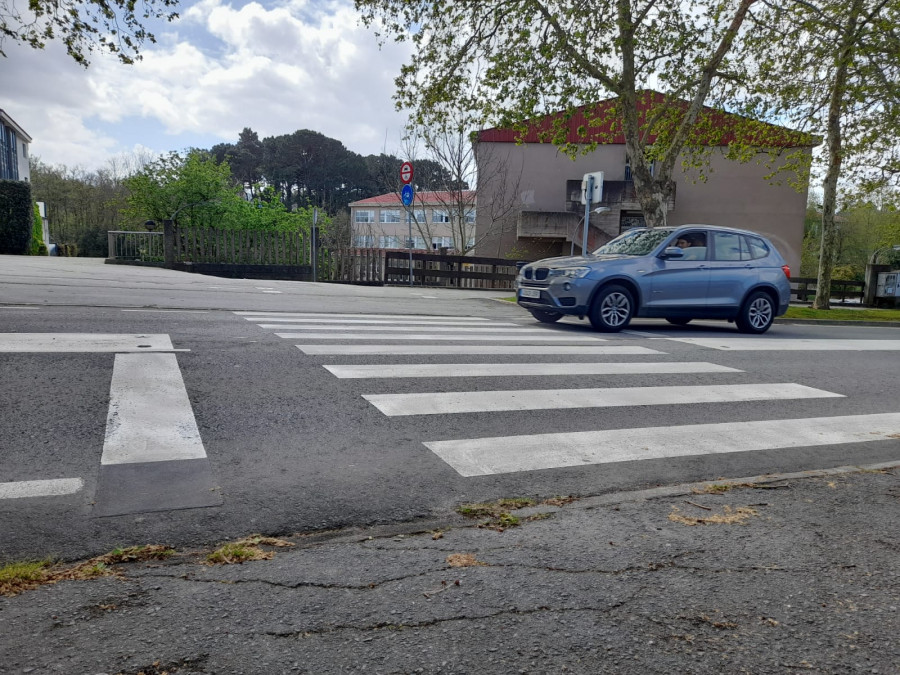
[673, 273]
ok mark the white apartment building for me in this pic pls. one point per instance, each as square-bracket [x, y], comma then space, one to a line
[434, 220]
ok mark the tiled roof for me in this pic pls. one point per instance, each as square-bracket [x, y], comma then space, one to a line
[601, 123]
[420, 199]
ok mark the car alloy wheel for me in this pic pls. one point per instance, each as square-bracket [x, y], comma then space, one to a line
[757, 314]
[612, 309]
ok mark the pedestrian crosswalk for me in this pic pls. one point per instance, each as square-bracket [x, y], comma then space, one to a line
[453, 339]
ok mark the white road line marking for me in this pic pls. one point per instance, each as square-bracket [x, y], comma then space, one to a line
[273, 292]
[383, 322]
[150, 417]
[436, 329]
[430, 336]
[507, 454]
[83, 342]
[447, 350]
[170, 311]
[40, 488]
[324, 315]
[788, 344]
[394, 405]
[522, 369]
[17, 307]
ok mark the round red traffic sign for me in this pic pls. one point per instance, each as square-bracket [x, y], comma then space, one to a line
[406, 172]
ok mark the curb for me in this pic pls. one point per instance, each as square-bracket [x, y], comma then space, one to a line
[411, 528]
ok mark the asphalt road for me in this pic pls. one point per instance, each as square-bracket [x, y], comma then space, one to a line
[286, 446]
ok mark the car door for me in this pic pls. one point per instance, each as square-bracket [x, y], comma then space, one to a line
[732, 270]
[681, 284]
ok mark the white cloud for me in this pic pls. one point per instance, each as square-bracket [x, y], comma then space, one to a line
[220, 68]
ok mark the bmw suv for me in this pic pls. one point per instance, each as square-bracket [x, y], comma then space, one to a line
[674, 273]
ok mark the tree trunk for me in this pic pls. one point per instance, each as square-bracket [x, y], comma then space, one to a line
[835, 158]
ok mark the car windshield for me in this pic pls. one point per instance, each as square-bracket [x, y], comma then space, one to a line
[635, 242]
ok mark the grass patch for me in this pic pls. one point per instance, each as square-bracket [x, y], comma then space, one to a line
[18, 577]
[244, 550]
[497, 513]
[463, 560]
[840, 314]
[729, 516]
[512, 299]
[22, 576]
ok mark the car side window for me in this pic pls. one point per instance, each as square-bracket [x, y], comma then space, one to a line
[756, 248]
[727, 246]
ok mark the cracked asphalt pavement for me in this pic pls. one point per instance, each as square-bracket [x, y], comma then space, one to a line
[775, 574]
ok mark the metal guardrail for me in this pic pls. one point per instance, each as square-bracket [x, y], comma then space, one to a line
[143, 246]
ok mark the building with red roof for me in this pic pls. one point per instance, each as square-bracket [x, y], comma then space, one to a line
[542, 184]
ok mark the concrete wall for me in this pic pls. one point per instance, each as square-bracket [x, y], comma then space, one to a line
[734, 195]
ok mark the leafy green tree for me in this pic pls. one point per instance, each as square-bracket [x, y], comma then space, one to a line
[81, 205]
[197, 191]
[113, 26]
[518, 60]
[833, 68]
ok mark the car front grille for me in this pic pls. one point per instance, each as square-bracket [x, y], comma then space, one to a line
[541, 273]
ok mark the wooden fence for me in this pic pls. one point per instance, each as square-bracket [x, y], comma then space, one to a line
[803, 289]
[457, 271]
[241, 247]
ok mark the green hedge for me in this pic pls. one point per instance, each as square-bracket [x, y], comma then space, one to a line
[16, 217]
[38, 247]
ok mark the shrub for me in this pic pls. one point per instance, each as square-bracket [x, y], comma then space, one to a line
[16, 217]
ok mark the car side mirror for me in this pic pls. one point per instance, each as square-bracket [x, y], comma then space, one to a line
[672, 252]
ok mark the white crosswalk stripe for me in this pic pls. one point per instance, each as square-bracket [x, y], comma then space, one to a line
[507, 454]
[394, 405]
[331, 317]
[399, 321]
[466, 350]
[401, 370]
[511, 337]
[401, 329]
[785, 345]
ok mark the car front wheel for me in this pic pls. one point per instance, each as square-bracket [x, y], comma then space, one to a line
[545, 317]
[612, 309]
[757, 313]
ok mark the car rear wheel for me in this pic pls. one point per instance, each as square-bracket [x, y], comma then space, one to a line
[678, 321]
[612, 309]
[757, 313]
[545, 317]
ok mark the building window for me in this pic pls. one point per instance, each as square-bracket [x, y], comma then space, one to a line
[441, 242]
[9, 162]
[365, 241]
[389, 216]
[364, 217]
[470, 216]
[390, 242]
[440, 216]
[417, 216]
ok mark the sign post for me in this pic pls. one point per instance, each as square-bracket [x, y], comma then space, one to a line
[406, 196]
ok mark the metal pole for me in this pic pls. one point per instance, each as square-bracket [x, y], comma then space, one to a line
[587, 214]
[409, 243]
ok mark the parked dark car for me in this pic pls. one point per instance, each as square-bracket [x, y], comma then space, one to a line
[674, 273]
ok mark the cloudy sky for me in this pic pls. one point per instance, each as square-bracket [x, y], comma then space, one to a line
[274, 66]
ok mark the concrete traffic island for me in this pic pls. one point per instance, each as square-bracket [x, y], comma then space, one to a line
[764, 575]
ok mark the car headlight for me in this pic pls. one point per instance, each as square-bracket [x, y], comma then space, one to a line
[571, 272]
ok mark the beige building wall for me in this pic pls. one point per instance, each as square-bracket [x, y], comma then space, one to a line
[734, 195]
